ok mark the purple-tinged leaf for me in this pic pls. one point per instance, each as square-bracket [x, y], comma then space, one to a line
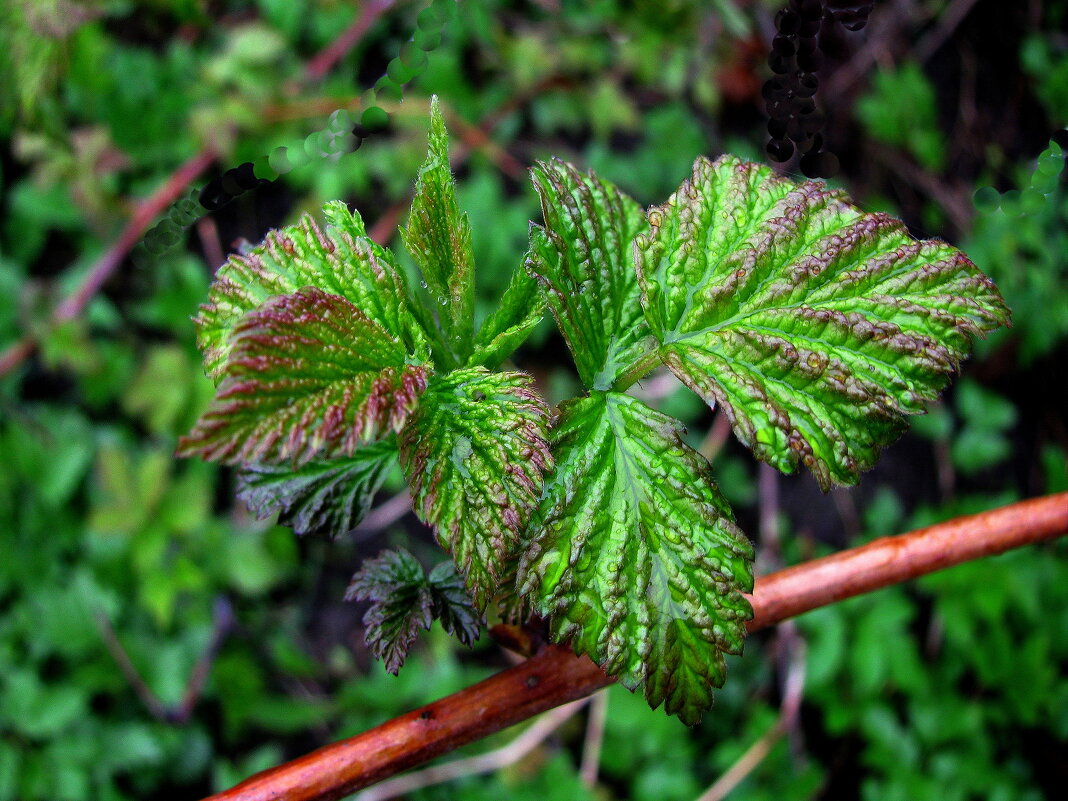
[340, 260]
[395, 584]
[474, 453]
[404, 599]
[815, 326]
[309, 376]
[584, 259]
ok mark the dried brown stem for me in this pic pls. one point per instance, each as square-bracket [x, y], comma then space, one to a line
[556, 676]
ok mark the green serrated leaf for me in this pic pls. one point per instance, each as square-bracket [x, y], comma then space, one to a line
[634, 555]
[584, 258]
[341, 260]
[395, 584]
[451, 604]
[404, 599]
[329, 497]
[815, 326]
[438, 236]
[309, 376]
[516, 316]
[474, 453]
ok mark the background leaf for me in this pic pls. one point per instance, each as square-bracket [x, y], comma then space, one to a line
[329, 497]
[451, 604]
[583, 257]
[474, 453]
[404, 599]
[815, 326]
[395, 584]
[309, 375]
[634, 555]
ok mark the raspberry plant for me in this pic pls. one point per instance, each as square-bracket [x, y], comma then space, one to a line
[816, 327]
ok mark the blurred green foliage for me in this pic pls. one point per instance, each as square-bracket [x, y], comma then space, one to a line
[951, 688]
[901, 110]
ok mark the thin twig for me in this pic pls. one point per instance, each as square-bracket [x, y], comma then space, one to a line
[951, 197]
[491, 761]
[788, 641]
[591, 745]
[222, 623]
[555, 675]
[146, 212]
[385, 514]
[657, 386]
[474, 137]
[208, 232]
[882, 25]
[325, 59]
[768, 509]
[155, 707]
[947, 23]
[758, 751]
[847, 512]
[716, 437]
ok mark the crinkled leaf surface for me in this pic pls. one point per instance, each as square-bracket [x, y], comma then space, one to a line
[584, 258]
[815, 326]
[340, 260]
[520, 310]
[320, 497]
[451, 605]
[474, 453]
[404, 599]
[634, 556]
[309, 375]
[438, 236]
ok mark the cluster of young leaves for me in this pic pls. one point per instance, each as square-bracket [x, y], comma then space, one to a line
[404, 598]
[816, 327]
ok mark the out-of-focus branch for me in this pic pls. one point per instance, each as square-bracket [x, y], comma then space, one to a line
[556, 676]
[146, 212]
[325, 59]
[594, 740]
[173, 188]
[222, 623]
[758, 751]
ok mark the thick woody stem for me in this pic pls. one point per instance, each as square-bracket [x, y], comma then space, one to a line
[555, 675]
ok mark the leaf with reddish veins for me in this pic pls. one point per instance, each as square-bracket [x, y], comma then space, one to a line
[583, 256]
[309, 375]
[339, 259]
[815, 326]
[474, 453]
